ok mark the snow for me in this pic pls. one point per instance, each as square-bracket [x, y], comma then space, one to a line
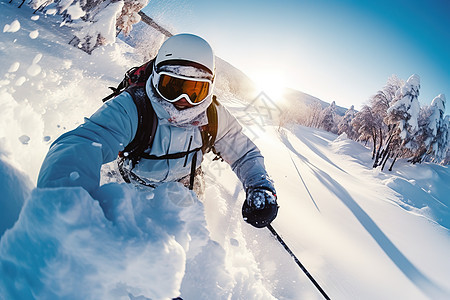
[75, 12]
[361, 233]
[15, 187]
[106, 27]
[13, 27]
[51, 11]
[69, 234]
[414, 81]
[14, 67]
[34, 34]
[439, 101]
[24, 139]
[21, 80]
[74, 176]
[34, 70]
[406, 103]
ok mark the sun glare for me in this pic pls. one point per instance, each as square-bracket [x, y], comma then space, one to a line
[272, 85]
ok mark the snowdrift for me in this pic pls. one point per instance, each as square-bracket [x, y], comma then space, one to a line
[123, 244]
[15, 188]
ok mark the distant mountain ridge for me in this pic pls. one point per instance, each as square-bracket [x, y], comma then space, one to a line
[296, 95]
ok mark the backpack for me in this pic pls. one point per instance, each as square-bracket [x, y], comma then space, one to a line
[134, 83]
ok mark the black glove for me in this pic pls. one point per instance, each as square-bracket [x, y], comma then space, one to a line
[260, 208]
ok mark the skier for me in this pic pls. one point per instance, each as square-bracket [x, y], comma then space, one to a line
[180, 91]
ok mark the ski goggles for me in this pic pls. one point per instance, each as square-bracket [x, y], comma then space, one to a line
[172, 87]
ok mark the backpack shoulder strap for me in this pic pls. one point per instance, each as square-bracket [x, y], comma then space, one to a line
[147, 124]
[136, 76]
[209, 131]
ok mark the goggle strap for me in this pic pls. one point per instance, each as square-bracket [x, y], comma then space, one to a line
[180, 62]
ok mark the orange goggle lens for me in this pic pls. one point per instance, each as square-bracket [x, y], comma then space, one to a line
[172, 87]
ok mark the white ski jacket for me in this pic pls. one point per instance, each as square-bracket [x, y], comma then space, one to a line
[76, 157]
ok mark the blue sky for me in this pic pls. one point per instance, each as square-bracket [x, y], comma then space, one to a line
[335, 50]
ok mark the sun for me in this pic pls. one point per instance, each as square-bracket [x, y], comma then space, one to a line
[271, 84]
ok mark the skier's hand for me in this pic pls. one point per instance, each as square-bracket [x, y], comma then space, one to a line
[260, 207]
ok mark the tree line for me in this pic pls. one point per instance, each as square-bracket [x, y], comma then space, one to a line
[392, 122]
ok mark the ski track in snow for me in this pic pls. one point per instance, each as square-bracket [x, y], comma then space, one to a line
[361, 233]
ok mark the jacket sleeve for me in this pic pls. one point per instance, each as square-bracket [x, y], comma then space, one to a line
[76, 157]
[240, 152]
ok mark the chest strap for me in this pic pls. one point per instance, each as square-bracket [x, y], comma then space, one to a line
[164, 157]
[172, 155]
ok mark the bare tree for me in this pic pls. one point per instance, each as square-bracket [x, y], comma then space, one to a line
[365, 127]
[380, 103]
[314, 116]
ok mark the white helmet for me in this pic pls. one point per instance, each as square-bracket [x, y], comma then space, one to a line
[186, 49]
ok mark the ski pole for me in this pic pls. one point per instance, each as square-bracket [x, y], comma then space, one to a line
[272, 230]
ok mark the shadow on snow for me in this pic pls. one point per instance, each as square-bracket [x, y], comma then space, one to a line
[427, 286]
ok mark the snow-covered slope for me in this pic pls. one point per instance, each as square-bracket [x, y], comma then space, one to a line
[362, 233]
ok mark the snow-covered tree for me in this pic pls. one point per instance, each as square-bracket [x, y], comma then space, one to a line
[439, 145]
[424, 135]
[405, 108]
[431, 137]
[96, 21]
[402, 116]
[381, 101]
[129, 15]
[345, 124]
[99, 26]
[446, 141]
[328, 117]
[398, 127]
[37, 4]
[379, 104]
